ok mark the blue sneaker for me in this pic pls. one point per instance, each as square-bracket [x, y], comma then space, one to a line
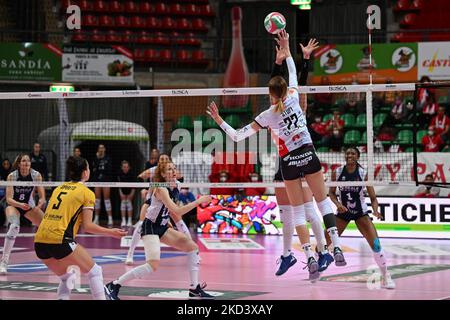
[324, 261]
[112, 291]
[285, 264]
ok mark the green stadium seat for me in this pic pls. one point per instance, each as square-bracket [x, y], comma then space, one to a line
[349, 119]
[361, 121]
[339, 103]
[405, 137]
[420, 134]
[408, 99]
[327, 117]
[379, 119]
[233, 120]
[210, 123]
[352, 137]
[364, 137]
[184, 122]
[409, 149]
[202, 118]
[323, 149]
[446, 150]
[443, 101]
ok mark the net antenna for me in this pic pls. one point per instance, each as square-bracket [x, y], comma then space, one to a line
[369, 111]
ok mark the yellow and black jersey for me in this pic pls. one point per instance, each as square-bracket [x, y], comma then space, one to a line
[62, 218]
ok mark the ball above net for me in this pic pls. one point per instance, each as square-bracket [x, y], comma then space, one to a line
[274, 22]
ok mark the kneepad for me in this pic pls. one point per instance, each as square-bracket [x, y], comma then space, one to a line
[299, 215]
[129, 205]
[96, 271]
[108, 205]
[123, 205]
[152, 247]
[97, 204]
[13, 231]
[13, 219]
[310, 213]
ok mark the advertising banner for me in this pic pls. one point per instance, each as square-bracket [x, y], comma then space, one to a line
[392, 62]
[113, 64]
[261, 215]
[30, 62]
[434, 60]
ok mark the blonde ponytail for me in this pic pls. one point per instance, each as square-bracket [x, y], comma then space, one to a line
[280, 106]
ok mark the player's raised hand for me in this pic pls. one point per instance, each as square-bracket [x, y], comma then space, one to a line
[313, 44]
[213, 111]
[283, 39]
[281, 55]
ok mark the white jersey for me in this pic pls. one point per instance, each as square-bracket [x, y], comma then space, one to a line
[288, 128]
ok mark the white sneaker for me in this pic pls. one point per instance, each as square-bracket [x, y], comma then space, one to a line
[129, 224]
[129, 261]
[387, 282]
[124, 223]
[96, 219]
[3, 267]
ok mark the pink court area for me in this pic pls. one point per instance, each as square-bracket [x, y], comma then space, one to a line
[243, 267]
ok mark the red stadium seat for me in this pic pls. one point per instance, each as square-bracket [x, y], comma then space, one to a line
[79, 36]
[128, 36]
[182, 55]
[131, 7]
[191, 10]
[402, 5]
[198, 55]
[115, 6]
[206, 10]
[160, 8]
[153, 23]
[112, 36]
[138, 22]
[122, 22]
[138, 55]
[161, 39]
[199, 24]
[168, 23]
[89, 20]
[409, 20]
[97, 36]
[183, 24]
[417, 5]
[190, 40]
[165, 55]
[146, 7]
[175, 9]
[85, 6]
[101, 6]
[151, 55]
[144, 37]
[65, 4]
[106, 21]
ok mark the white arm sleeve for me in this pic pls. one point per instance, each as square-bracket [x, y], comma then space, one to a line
[238, 135]
[293, 82]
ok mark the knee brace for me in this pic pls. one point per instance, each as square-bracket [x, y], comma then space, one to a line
[96, 271]
[13, 219]
[325, 207]
[108, 205]
[123, 205]
[13, 231]
[299, 215]
[97, 204]
[129, 206]
[376, 245]
[310, 213]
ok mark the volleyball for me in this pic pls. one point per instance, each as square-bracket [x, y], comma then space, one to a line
[274, 22]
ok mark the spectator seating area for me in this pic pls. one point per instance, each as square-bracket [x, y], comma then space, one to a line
[421, 15]
[158, 32]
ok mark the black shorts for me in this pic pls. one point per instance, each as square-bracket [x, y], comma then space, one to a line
[148, 227]
[347, 216]
[279, 176]
[300, 162]
[57, 251]
[23, 212]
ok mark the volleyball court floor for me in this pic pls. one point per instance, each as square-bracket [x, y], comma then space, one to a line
[420, 268]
